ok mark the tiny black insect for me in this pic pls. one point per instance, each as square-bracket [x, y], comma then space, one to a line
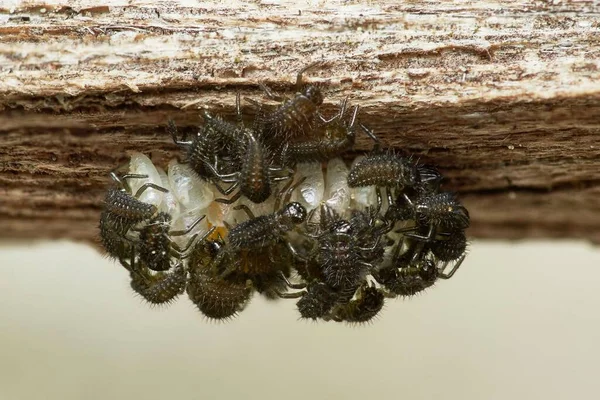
[295, 116]
[330, 139]
[121, 211]
[346, 250]
[156, 248]
[113, 237]
[216, 297]
[256, 176]
[443, 210]
[316, 300]
[160, 287]
[383, 169]
[450, 248]
[123, 206]
[203, 149]
[411, 280]
[262, 231]
[368, 303]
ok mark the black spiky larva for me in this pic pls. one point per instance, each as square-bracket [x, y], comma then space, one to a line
[383, 169]
[407, 281]
[316, 298]
[256, 175]
[123, 206]
[443, 210]
[411, 280]
[156, 249]
[317, 301]
[216, 297]
[438, 217]
[295, 116]
[112, 237]
[331, 139]
[368, 303]
[203, 149]
[347, 249]
[121, 211]
[265, 230]
[159, 287]
[450, 248]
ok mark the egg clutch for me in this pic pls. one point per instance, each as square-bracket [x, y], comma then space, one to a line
[268, 207]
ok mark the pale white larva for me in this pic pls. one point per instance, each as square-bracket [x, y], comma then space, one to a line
[337, 193]
[310, 192]
[192, 192]
[142, 165]
[170, 204]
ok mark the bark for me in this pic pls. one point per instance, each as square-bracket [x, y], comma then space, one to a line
[503, 97]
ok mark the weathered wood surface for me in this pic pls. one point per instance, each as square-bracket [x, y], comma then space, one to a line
[503, 96]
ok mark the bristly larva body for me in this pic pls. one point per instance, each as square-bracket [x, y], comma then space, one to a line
[160, 287]
[295, 116]
[259, 232]
[383, 170]
[368, 304]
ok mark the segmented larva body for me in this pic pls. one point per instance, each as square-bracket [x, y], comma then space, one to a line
[112, 236]
[443, 210]
[451, 248]
[155, 244]
[295, 116]
[266, 230]
[339, 260]
[408, 281]
[369, 302]
[255, 182]
[218, 298]
[161, 287]
[319, 149]
[228, 131]
[126, 209]
[330, 140]
[204, 149]
[269, 259]
[316, 302]
[384, 170]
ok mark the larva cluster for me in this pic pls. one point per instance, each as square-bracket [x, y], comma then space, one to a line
[270, 208]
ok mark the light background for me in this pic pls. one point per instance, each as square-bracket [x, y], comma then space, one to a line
[517, 321]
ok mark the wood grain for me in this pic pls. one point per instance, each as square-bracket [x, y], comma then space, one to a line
[503, 96]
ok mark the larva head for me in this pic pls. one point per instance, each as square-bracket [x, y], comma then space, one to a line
[314, 94]
[294, 212]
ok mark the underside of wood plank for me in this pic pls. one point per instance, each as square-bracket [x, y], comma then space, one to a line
[503, 97]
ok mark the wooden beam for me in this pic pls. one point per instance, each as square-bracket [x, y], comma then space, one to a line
[503, 96]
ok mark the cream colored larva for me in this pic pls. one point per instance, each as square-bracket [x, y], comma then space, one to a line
[142, 165]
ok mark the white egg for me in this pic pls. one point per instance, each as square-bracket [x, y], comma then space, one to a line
[142, 165]
[191, 191]
[169, 204]
[185, 221]
[337, 193]
[310, 192]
